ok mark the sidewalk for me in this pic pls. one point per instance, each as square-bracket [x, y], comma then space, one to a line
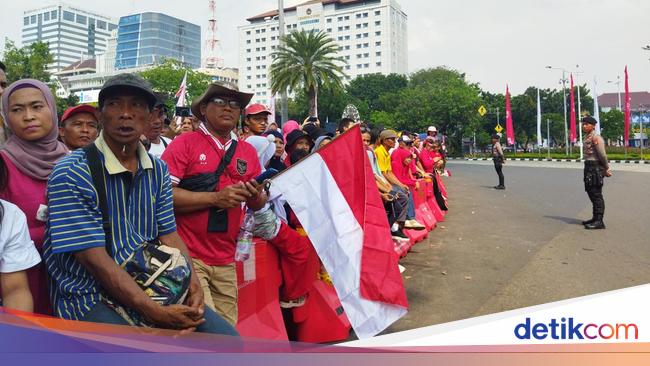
[556, 160]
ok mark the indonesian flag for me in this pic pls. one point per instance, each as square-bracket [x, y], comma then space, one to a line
[271, 117]
[510, 132]
[572, 127]
[180, 94]
[626, 134]
[334, 195]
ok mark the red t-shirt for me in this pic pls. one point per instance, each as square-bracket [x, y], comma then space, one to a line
[428, 158]
[199, 152]
[401, 171]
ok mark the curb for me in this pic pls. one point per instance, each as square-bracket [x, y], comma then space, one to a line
[556, 160]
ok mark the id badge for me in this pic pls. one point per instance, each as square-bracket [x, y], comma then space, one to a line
[43, 213]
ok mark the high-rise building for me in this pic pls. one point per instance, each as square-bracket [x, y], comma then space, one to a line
[73, 34]
[146, 38]
[371, 36]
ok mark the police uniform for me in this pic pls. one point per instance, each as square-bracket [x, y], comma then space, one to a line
[498, 158]
[596, 165]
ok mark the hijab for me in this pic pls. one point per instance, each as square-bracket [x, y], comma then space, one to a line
[33, 158]
[265, 147]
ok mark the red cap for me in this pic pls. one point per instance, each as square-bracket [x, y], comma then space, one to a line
[256, 109]
[85, 108]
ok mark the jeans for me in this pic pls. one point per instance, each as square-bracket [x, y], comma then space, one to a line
[410, 205]
[213, 322]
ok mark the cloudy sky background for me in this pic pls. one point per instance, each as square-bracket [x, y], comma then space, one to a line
[494, 42]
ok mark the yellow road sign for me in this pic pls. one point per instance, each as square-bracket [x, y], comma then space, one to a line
[482, 111]
[498, 128]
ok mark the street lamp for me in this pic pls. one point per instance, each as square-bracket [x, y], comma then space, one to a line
[618, 84]
[566, 136]
[284, 103]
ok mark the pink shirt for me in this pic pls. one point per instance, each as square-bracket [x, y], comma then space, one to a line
[28, 194]
[400, 169]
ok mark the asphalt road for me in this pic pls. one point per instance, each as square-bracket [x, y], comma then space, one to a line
[502, 250]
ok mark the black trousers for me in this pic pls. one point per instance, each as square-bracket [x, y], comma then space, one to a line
[498, 166]
[593, 178]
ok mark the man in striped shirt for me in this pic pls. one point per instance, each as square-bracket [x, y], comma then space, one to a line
[140, 208]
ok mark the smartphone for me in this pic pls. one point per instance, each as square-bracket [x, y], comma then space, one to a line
[312, 119]
[268, 174]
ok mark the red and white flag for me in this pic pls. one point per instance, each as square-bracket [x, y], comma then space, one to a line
[180, 94]
[626, 134]
[572, 127]
[334, 195]
[510, 132]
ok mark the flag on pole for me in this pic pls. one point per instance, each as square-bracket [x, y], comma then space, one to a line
[596, 107]
[510, 132]
[271, 117]
[539, 121]
[180, 94]
[572, 126]
[626, 135]
[332, 192]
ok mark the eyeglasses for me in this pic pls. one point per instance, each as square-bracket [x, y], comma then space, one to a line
[234, 104]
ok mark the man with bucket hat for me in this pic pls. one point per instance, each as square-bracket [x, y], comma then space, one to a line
[213, 174]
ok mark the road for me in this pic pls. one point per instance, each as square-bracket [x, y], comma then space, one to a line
[502, 250]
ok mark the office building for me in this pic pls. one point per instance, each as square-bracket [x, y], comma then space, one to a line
[371, 37]
[72, 33]
[147, 38]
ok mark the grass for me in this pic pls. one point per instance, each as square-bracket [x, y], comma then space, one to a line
[613, 153]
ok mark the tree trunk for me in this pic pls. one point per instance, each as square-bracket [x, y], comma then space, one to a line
[313, 101]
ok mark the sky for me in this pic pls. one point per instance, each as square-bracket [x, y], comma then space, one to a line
[495, 42]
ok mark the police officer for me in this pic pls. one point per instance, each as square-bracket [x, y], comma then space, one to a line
[596, 167]
[499, 159]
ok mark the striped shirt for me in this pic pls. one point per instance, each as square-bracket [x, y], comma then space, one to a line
[140, 209]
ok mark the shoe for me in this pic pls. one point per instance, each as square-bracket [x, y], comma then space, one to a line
[399, 234]
[499, 187]
[596, 225]
[413, 225]
[588, 221]
[288, 304]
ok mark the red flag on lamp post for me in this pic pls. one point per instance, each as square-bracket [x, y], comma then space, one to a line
[626, 135]
[510, 132]
[572, 128]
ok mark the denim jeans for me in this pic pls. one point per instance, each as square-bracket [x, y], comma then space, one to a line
[213, 322]
[410, 212]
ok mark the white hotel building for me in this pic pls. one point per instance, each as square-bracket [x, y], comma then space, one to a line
[371, 35]
[72, 33]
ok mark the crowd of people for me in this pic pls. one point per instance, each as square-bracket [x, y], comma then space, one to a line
[88, 198]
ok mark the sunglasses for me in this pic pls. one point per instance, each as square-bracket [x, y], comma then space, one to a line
[234, 104]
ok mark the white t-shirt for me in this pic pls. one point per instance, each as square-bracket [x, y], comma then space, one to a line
[158, 149]
[17, 251]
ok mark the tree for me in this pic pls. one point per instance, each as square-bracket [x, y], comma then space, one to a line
[167, 77]
[331, 103]
[612, 124]
[440, 97]
[64, 103]
[306, 60]
[29, 62]
[370, 88]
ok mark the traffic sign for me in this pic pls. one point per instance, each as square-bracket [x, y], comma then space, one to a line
[482, 111]
[498, 128]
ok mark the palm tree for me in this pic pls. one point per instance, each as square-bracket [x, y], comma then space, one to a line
[306, 59]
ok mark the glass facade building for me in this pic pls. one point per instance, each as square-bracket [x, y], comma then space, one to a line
[147, 38]
[72, 34]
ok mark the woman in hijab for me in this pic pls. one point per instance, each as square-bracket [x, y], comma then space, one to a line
[27, 159]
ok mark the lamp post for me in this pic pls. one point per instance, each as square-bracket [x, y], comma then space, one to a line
[618, 84]
[284, 104]
[579, 112]
[566, 136]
